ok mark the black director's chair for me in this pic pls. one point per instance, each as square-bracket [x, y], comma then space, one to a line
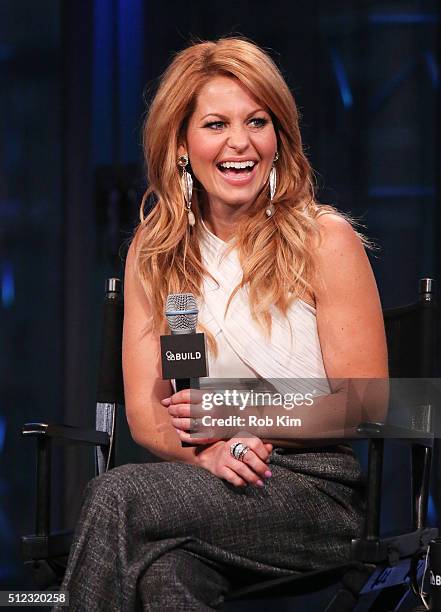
[382, 571]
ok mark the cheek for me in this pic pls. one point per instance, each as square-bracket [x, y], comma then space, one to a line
[265, 145]
[202, 156]
[201, 150]
[269, 144]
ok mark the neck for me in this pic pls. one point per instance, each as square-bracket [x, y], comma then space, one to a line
[222, 219]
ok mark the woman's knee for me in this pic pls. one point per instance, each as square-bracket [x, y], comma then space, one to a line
[112, 485]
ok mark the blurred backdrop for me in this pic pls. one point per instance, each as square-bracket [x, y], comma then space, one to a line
[75, 78]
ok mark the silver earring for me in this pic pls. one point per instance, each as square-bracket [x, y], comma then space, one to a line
[272, 188]
[187, 187]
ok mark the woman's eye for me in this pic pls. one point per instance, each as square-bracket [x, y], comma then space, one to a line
[258, 122]
[215, 125]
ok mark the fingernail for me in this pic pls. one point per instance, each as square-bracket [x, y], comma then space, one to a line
[259, 483]
[165, 401]
[268, 474]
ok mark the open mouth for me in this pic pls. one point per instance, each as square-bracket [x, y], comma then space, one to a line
[236, 169]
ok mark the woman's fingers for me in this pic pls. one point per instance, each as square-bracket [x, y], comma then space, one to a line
[179, 410]
[184, 424]
[246, 472]
[185, 410]
[262, 450]
[232, 477]
[187, 415]
[194, 426]
[254, 465]
[217, 458]
[185, 396]
[179, 397]
[186, 437]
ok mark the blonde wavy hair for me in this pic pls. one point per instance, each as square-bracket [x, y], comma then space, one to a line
[275, 253]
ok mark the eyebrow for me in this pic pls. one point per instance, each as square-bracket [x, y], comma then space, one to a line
[224, 117]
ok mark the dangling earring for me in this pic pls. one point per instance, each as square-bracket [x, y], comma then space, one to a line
[272, 187]
[187, 188]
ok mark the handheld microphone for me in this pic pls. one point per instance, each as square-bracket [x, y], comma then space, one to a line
[183, 352]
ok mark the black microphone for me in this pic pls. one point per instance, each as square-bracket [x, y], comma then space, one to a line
[183, 353]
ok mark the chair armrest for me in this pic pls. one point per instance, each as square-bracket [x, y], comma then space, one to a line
[420, 443]
[46, 433]
[66, 434]
[46, 546]
[385, 431]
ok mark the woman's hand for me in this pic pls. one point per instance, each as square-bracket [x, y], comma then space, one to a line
[186, 416]
[251, 469]
[217, 458]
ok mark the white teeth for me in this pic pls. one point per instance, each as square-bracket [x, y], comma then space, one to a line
[238, 165]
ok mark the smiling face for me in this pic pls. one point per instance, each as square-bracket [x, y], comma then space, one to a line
[231, 144]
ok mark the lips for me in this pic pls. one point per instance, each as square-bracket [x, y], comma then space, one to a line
[237, 177]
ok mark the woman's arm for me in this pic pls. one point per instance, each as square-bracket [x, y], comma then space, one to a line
[352, 338]
[144, 388]
[348, 309]
[351, 332]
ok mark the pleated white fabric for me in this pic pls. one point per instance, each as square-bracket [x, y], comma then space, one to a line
[291, 359]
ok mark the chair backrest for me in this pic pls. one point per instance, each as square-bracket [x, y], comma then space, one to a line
[110, 386]
[412, 335]
[412, 341]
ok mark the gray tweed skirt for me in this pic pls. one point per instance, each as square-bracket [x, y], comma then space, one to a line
[170, 536]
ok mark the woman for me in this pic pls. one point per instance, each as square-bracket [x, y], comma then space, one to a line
[273, 276]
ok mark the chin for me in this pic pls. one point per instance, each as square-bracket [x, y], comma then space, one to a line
[239, 200]
[239, 203]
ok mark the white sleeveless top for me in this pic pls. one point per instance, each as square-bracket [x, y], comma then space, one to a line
[291, 359]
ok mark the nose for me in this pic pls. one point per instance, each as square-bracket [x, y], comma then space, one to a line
[238, 138]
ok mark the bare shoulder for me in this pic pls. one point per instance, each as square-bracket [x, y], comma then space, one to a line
[339, 249]
[337, 233]
[130, 275]
[131, 271]
[349, 317]
[130, 264]
[132, 253]
[135, 297]
[332, 221]
[341, 261]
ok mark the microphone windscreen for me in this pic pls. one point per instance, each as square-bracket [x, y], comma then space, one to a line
[181, 312]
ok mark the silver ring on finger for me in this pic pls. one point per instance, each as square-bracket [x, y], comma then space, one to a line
[239, 450]
[233, 448]
[243, 453]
